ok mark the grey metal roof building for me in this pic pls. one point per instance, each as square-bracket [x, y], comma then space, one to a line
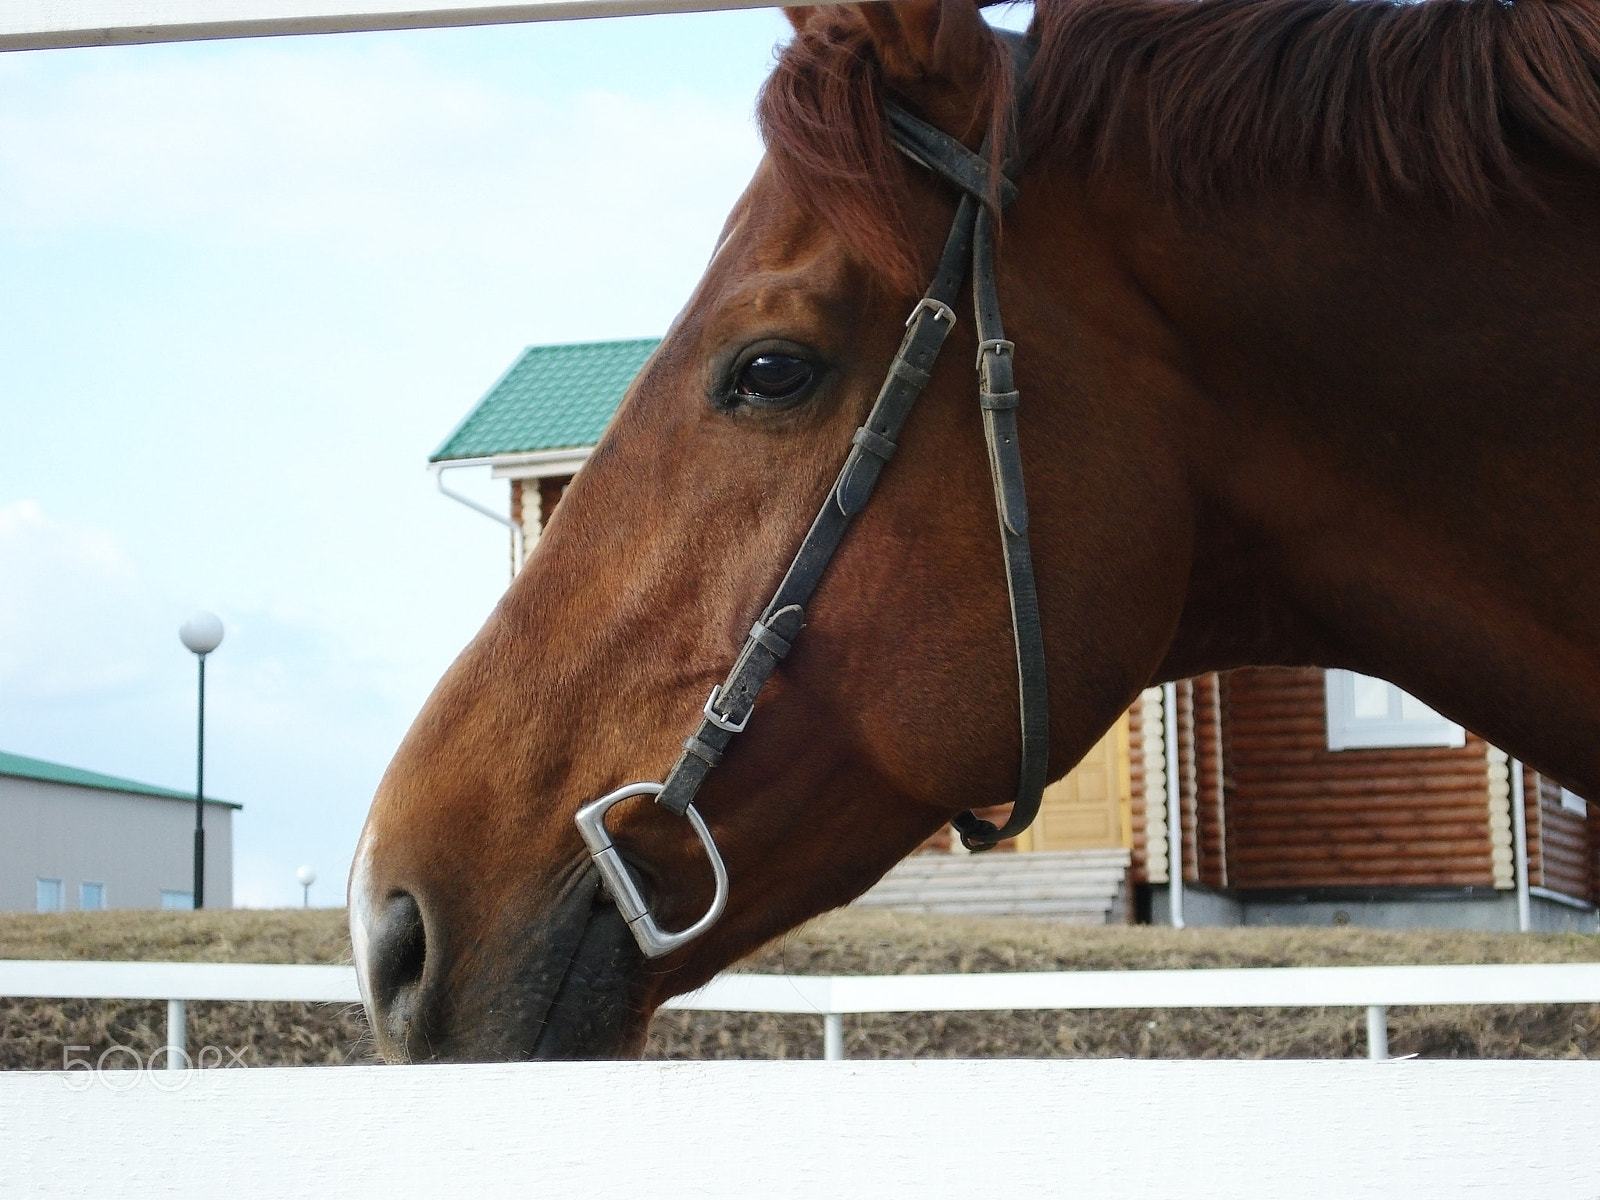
[78, 840]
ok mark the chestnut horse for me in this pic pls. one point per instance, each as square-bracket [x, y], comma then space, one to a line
[1306, 301]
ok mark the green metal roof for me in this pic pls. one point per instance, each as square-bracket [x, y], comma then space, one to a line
[552, 398]
[20, 767]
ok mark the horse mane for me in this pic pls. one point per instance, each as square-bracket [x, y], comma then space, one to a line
[1446, 103]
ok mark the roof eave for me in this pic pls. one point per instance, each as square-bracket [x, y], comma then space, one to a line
[524, 464]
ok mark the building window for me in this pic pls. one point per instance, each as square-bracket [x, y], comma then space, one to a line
[1368, 713]
[47, 895]
[176, 900]
[91, 896]
[1574, 803]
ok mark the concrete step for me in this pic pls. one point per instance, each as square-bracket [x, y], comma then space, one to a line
[1095, 877]
[954, 894]
[1100, 915]
[1079, 886]
[1049, 862]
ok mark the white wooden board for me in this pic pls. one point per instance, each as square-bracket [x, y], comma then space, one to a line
[1116, 1130]
[47, 24]
[177, 980]
[1522, 983]
[1262, 987]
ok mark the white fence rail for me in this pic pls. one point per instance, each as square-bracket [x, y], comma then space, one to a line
[1086, 1129]
[55, 24]
[1091, 1129]
[831, 996]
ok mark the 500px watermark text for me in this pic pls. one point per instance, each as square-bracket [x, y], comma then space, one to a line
[120, 1067]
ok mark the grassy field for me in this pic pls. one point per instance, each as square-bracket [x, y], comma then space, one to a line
[32, 1033]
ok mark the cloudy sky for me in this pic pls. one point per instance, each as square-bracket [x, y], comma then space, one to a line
[245, 288]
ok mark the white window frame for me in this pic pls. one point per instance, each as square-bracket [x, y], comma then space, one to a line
[171, 897]
[40, 886]
[1574, 803]
[1346, 731]
[83, 896]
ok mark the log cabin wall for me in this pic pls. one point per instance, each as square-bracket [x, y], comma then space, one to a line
[1211, 817]
[1150, 841]
[1561, 843]
[1301, 815]
[1137, 872]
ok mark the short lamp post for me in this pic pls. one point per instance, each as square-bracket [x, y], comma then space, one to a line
[201, 634]
[307, 876]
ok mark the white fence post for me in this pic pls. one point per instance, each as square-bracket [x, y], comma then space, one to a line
[1377, 1032]
[177, 1035]
[832, 1036]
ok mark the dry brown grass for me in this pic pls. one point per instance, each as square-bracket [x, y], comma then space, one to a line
[32, 1033]
[293, 935]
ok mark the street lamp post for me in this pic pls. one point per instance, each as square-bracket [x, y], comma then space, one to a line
[307, 876]
[200, 634]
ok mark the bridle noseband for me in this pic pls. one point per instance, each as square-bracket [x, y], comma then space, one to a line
[727, 711]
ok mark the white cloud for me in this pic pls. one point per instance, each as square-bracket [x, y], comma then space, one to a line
[368, 152]
[252, 285]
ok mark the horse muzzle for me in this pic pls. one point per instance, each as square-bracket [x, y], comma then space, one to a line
[570, 985]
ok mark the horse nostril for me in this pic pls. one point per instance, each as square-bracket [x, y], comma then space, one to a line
[398, 954]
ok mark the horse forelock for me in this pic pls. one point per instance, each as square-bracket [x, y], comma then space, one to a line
[1444, 102]
[821, 116]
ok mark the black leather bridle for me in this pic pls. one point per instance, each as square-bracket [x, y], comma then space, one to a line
[970, 244]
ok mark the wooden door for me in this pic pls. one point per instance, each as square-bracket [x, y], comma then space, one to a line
[1089, 808]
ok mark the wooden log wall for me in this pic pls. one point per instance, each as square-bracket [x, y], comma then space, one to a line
[1562, 845]
[1138, 868]
[1267, 805]
[1211, 817]
[1300, 815]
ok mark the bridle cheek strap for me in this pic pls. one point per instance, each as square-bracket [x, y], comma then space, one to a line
[969, 247]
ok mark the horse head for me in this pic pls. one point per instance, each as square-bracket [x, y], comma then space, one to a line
[479, 924]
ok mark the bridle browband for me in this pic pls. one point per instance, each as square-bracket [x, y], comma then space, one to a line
[727, 711]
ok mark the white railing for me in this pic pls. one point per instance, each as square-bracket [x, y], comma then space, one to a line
[832, 996]
[47, 24]
[920, 1130]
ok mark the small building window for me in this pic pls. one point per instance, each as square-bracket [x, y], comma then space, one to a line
[91, 896]
[1368, 713]
[1574, 803]
[47, 895]
[176, 900]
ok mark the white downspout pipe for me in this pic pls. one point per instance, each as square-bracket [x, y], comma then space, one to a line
[516, 532]
[1169, 727]
[1519, 847]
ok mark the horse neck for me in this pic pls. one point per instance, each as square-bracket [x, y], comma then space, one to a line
[1388, 426]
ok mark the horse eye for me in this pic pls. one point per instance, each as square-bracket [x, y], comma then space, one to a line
[770, 377]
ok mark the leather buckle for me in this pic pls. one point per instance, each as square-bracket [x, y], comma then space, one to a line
[996, 346]
[717, 719]
[940, 310]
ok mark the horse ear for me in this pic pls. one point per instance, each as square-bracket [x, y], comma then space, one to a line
[935, 53]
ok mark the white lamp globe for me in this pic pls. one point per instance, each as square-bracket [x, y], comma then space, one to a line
[201, 633]
[306, 876]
